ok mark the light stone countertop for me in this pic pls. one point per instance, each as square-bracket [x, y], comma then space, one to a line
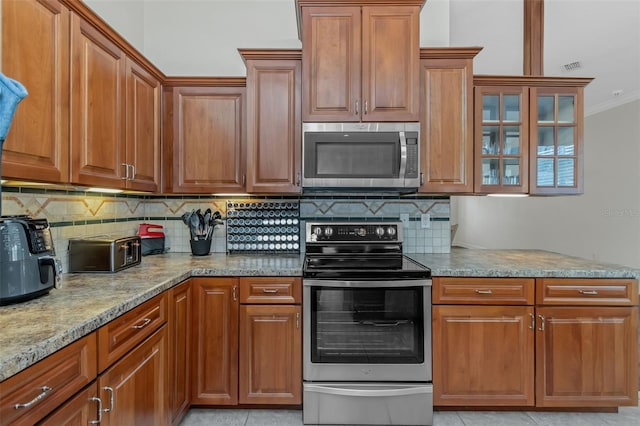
[519, 263]
[32, 330]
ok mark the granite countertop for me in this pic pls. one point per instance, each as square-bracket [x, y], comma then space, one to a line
[35, 329]
[519, 263]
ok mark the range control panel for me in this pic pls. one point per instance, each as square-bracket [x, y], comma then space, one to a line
[350, 232]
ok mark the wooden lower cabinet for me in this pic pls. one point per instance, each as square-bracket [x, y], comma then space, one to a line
[249, 353]
[483, 355]
[83, 409]
[585, 343]
[270, 354]
[180, 327]
[215, 341]
[586, 356]
[134, 389]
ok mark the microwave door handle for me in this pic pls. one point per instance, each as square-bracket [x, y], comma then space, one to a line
[403, 155]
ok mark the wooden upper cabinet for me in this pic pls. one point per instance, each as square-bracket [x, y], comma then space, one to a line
[501, 139]
[360, 63]
[97, 107]
[273, 121]
[556, 133]
[208, 139]
[390, 63]
[446, 93]
[37, 147]
[143, 128]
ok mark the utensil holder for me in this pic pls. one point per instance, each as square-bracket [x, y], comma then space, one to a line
[200, 247]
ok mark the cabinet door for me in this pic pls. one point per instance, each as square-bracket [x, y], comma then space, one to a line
[390, 63]
[586, 356]
[180, 311]
[215, 341]
[447, 123]
[143, 128]
[273, 126]
[331, 57]
[134, 390]
[82, 409]
[37, 145]
[97, 108]
[502, 140]
[209, 140]
[483, 355]
[270, 354]
[556, 128]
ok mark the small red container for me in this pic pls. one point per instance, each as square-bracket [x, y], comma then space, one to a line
[152, 237]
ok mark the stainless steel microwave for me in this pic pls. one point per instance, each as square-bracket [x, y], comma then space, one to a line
[361, 156]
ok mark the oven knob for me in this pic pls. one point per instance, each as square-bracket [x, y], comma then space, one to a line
[328, 231]
[361, 232]
[391, 231]
[317, 231]
[380, 231]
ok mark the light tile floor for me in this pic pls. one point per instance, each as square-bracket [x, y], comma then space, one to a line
[627, 416]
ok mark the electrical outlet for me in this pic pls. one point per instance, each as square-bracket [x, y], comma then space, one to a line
[404, 218]
[425, 220]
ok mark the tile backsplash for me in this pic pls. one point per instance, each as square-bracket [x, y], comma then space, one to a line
[77, 214]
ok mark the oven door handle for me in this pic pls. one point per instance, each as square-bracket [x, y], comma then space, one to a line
[414, 390]
[384, 323]
[366, 283]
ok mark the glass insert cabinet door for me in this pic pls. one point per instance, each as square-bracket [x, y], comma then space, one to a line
[501, 139]
[556, 141]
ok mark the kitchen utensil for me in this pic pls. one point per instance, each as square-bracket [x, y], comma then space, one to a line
[194, 224]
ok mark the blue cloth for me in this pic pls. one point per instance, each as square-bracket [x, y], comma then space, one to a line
[11, 93]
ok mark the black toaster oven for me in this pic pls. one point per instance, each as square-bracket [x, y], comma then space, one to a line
[104, 253]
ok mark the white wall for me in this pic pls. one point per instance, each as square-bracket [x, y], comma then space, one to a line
[201, 37]
[602, 224]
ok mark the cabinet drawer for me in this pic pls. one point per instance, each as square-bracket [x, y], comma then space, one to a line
[270, 290]
[586, 291]
[483, 291]
[33, 393]
[122, 334]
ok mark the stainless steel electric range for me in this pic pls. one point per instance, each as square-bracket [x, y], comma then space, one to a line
[367, 327]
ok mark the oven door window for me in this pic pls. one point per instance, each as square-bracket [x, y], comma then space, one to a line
[367, 325]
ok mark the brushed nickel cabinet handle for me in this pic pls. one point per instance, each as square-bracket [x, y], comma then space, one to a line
[233, 293]
[541, 323]
[111, 399]
[366, 107]
[126, 171]
[533, 322]
[99, 420]
[133, 172]
[44, 393]
[421, 178]
[270, 290]
[297, 320]
[488, 291]
[589, 292]
[298, 179]
[145, 322]
[357, 108]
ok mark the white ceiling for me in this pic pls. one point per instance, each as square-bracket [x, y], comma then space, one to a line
[603, 35]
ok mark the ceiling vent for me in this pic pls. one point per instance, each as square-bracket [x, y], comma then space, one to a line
[572, 66]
